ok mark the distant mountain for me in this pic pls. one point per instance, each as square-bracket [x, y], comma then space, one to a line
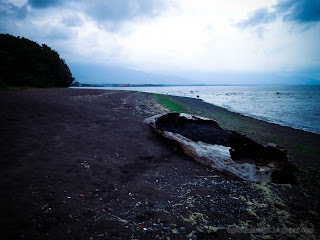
[99, 74]
[249, 78]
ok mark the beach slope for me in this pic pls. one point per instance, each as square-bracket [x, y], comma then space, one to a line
[80, 164]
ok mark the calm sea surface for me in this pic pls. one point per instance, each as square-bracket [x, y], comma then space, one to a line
[294, 106]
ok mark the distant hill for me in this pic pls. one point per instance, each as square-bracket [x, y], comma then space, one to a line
[248, 78]
[24, 63]
[92, 73]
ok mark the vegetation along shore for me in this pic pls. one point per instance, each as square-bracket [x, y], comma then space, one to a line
[26, 64]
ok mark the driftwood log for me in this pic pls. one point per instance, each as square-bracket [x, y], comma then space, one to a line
[223, 150]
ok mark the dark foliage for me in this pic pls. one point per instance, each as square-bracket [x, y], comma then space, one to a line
[24, 63]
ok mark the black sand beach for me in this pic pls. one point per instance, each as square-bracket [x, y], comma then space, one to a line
[80, 164]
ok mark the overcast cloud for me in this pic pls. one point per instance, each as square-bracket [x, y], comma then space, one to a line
[299, 11]
[173, 36]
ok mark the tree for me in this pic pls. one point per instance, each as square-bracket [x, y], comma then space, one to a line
[24, 63]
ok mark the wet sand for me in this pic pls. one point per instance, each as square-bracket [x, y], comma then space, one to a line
[80, 164]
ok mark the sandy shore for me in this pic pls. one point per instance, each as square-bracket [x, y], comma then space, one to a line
[80, 164]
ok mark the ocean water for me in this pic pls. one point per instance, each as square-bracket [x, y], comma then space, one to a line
[293, 106]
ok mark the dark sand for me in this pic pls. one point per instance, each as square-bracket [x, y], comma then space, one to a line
[80, 164]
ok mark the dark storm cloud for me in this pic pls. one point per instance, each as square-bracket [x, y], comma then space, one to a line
[8, 10]
[12, 11]
[110, 10]
[44, 3]
[302, 11]
[299, 11]
[108, 13]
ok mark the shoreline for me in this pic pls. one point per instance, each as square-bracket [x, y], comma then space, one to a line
[80, 164]
[300, 144]
[266, 119]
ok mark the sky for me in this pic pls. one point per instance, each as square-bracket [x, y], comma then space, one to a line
[203, 39]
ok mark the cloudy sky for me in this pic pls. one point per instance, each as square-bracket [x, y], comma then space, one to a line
[175, 36]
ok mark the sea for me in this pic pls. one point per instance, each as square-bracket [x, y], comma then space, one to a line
[296, 106]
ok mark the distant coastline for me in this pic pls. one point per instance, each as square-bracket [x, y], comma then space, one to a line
[75, 85]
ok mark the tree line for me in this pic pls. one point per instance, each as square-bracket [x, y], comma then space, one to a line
[24, 63]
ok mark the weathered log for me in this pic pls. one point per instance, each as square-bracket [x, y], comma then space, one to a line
[223, 150]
